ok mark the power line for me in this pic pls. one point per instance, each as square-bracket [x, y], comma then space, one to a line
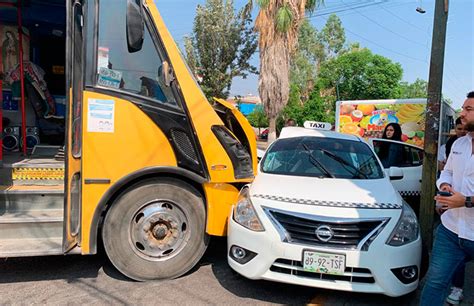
[342, 8]
[382, 47]
[458, 81]
[455, 85]
[386, 6]
[387, 29]
[403, 20]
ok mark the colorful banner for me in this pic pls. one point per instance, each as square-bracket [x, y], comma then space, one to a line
[369, 120]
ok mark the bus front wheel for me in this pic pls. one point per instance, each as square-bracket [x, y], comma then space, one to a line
[156, 230]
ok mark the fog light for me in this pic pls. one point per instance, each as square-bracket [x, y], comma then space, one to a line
[241, 255]
[406, 275]
[409, 273]
[238, 252]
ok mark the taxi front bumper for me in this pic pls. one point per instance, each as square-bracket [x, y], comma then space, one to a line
[371, 271]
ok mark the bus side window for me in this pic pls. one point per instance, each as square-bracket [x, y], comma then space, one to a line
[119, 69]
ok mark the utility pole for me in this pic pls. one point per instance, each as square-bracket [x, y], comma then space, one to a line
[428, 188]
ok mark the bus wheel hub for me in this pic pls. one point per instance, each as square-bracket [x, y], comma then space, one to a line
[158, 229]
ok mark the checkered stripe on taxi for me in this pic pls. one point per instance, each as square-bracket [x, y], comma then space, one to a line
[410, 193]
[329, 203]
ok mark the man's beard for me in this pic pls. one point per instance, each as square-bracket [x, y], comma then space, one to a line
[469, 126]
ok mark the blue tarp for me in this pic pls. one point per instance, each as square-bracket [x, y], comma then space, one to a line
[246, 108]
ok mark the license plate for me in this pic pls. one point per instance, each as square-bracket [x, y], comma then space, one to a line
[324, 262]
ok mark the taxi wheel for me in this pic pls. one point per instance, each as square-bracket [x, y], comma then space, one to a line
[156, 230]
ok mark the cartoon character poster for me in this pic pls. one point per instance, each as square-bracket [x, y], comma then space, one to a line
[369, 120]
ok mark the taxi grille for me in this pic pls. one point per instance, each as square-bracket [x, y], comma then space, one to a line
[351, 274]
[344, 234]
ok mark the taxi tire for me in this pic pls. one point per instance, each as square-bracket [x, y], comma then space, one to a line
[116, 230]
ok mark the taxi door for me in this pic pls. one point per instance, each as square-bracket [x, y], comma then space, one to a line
[405, 157]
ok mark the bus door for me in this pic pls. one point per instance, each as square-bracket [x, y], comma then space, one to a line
[75, 87]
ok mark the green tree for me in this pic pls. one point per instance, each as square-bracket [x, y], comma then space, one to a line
[313, 49]
[333, 36]
[258, 118]
[278, 23]
[360, 74]
[417, 89]
[314, 109]
[221, 46]
[306, 60]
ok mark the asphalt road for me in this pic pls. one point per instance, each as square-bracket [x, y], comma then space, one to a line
[92, 279]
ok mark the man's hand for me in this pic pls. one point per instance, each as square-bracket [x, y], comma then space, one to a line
[454, 201]
[440, 210]
[446, 187]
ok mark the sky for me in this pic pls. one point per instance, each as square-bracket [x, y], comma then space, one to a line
[391, 28]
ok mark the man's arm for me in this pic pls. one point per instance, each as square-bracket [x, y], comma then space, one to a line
[445, 180]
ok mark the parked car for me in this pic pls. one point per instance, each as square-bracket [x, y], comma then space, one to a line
[264, 134]
[323, 213]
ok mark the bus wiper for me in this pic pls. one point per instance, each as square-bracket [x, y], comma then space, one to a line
[316, 163]
[343, 162]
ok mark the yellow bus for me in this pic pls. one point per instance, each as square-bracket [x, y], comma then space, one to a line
[150, 167]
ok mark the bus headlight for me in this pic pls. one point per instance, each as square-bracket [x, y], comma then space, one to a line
[407, 229]
[245, 214]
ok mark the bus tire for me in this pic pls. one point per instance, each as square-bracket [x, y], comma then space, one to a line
[156, 230]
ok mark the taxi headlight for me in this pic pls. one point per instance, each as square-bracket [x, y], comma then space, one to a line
[407, 229]
[245, 214]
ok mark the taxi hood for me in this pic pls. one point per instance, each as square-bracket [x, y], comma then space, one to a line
[375, 193]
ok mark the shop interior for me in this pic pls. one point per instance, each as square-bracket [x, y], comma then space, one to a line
[32, 91]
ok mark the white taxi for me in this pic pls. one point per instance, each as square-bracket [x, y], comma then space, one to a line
[322, 213]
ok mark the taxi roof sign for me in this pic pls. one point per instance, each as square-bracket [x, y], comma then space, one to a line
[318, 125]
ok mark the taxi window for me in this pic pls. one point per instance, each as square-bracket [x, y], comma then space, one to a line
[397, 154]
[322, 157]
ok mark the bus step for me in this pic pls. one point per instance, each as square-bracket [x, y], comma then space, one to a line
[31, 224]
[28, 198]
[38, 172]
[30, 247]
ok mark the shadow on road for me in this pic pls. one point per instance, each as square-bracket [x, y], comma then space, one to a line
[238, 285]
[69, 268]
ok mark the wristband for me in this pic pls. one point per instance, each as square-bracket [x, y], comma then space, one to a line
[468, 202]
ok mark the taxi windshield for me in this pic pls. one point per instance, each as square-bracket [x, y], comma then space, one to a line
[322, 157]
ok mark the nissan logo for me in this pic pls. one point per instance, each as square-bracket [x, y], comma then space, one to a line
[324, 233]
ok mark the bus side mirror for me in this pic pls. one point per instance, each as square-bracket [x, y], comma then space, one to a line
[135, 26]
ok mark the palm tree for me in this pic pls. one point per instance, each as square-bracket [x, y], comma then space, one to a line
[278, 23]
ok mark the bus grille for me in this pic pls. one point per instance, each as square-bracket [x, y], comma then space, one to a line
[184, 145]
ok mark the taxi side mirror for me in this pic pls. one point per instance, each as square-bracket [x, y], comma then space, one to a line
[395, 173]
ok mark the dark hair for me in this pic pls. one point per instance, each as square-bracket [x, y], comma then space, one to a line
[397, 134]
[290, 122]
[458, 121]
[470, 95]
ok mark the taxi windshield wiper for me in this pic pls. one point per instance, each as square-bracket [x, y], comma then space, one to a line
[343, 162]
[316, 163]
